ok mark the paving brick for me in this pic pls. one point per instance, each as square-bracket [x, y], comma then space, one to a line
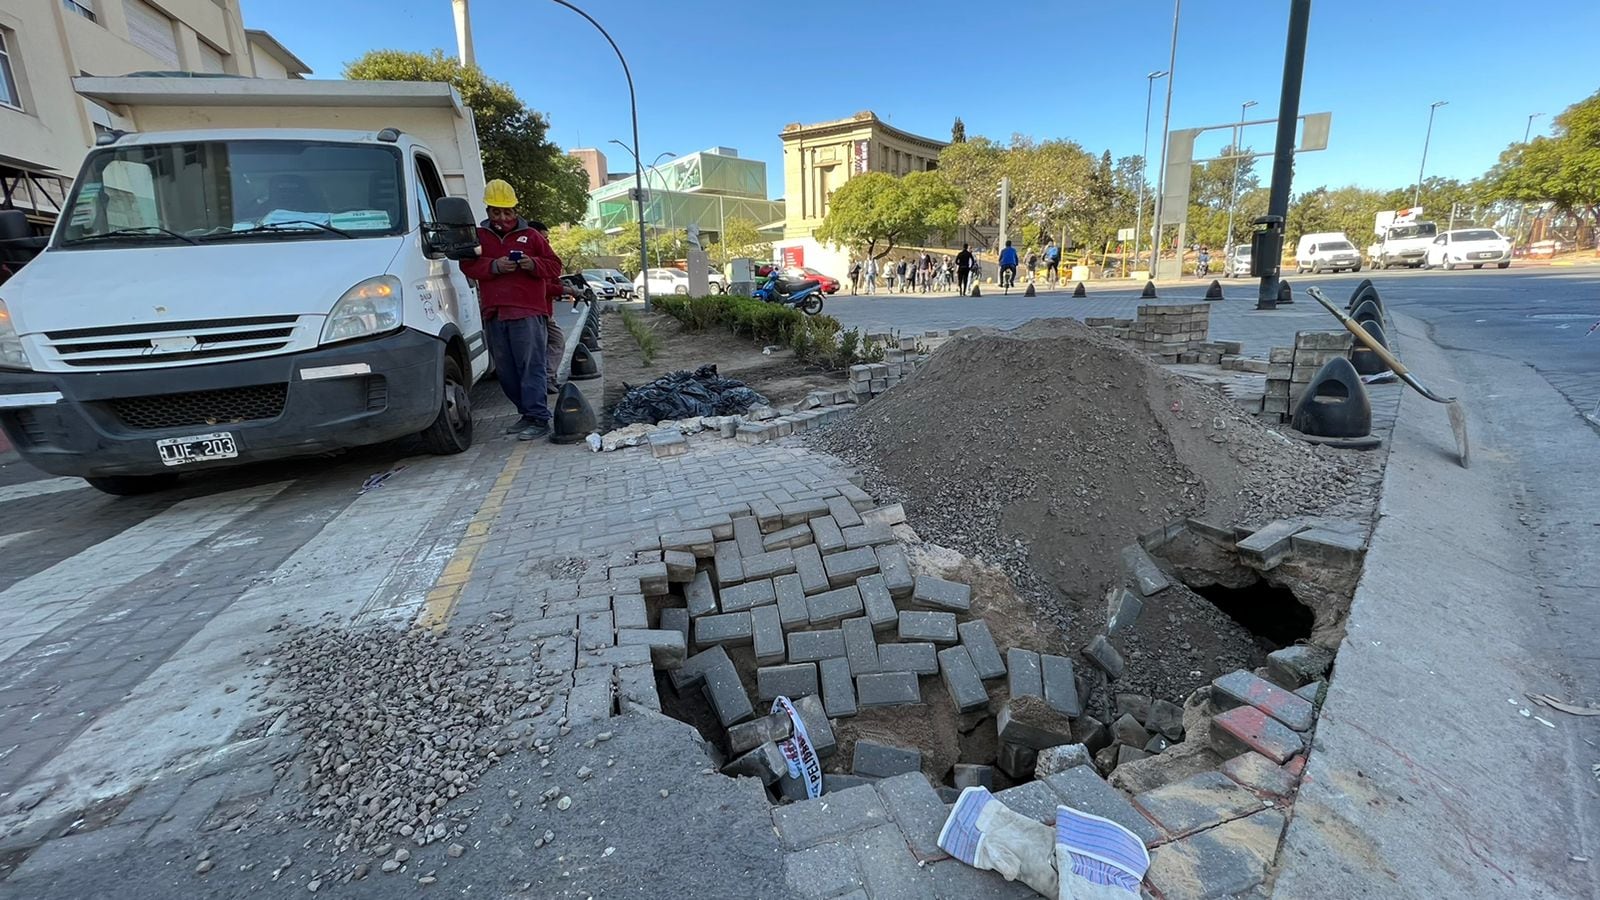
[877, 602]
[1294, 667]
[838, 687]
[628, 611]
[860, 645]
[965, 775]
[680, 566]
[766, 515]
[1241, 687]
[858, 498]
[1104, 656]
[719, 524]
[1016, 760]
[1061, 758]
[876, 759]
[1166, 717]
[843, 513]
[749, 735]
[636, 686]
[1199, 801]
[844, 568]
[676, 618]
[699, 597]
[1145, 574]
[1311, 693]
[1319, 545]
[810, 646]
[747, 535]
[791, 680]
[826, 870]
[724, 628]
[918, 658]
[867, 534]
[888, 866]
[699, 542]
[808, 565]
[692, 673]
[766, 634]
[764, 763]
[596, 630]
[1122, 609]
[896, 569]
[915, 807]
[938, 627]
[1222, 862]
[1260, 774]
[1033, 799]
[845, 812]
[955, 880]
[1026, 675]
[633, 655]
[667, 647]
[979, 641]
[1060, 686]
[792, 611]
[742, 597]
[1030, 722]
[832, 606]
[887, 516]
[801, 511]
[961, 680]
[940, 594]
[1268, 547]
[767, 565]
[787, 539]
[1083, 789]
[833, 782]
[652, 578]
[727, 562]
[592, 700]
[826, 535]
[1247, 728]
[815, 718]
[667, 443]
[887, 689]
[726, 692]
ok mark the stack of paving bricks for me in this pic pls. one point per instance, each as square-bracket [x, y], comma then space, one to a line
[901, 357]
[762, 424]
[1290, 370]
[1164, 331]
[818, 598]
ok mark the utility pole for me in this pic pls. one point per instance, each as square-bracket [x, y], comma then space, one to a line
[1268, 253]
[1522, 208]
[1529, 130]
[1144, 163]
[1005, 203]
[1166, 128]
[1233, 197]
[1433, 107]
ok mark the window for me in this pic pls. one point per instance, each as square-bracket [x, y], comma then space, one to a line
[429, 189]
[83, 8]
[9, 95]
[211, 59]
[1482, 234]
[151, 31]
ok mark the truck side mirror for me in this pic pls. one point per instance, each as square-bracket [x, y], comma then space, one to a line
[455, 234]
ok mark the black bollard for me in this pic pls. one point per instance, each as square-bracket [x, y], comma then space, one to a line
[1368, 311]
[1335, 403]
[1214, 292]
[1365, 287]
[584, 366]
[574, 418]
[1285, 294]
[1365, 361]
[1149, 292]
[1080, 291]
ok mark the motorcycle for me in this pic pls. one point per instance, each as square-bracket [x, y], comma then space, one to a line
[804, 294]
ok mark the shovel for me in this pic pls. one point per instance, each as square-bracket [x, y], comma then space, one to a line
[1458, 418]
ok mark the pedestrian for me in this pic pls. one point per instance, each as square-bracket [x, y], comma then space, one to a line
[872, 276]
[1033, 265]
[964, 264]
[512, 269]
[556, 343]
[900, 275]
[1052, 261]
[927, 271]
[1008, 266]
[855, 277]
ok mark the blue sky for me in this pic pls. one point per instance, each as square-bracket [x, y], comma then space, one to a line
[734, 72]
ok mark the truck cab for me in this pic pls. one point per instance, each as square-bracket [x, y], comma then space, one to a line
[222, 295]
[1403, 239]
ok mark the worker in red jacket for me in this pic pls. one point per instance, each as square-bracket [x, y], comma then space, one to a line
[557, 342]
[514, 270]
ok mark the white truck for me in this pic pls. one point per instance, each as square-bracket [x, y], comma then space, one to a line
[261, 270]
[1403, 239]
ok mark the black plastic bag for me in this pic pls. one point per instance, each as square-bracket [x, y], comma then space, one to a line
[684, 395]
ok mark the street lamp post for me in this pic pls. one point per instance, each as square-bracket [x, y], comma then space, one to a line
[1166, 129]
[638, 168]
[1233, 197]
[1432, 108]
[1529, 130]
[1522, 208]
[1144, 161]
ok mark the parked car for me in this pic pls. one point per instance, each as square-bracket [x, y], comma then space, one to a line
[1326, 251]
[663, 281]
[603, 289]
[830, 285]
[716, 281]
[1237, 263]
[622, 283]
[583, 287]
[1475, 247]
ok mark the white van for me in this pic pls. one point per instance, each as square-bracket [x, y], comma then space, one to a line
[1326, 251]
[226, 294]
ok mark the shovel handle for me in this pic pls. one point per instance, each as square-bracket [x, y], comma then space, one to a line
[1371, 343]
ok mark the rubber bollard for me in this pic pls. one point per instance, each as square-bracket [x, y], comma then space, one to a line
[1149, 291]
[1214, 292]
[1335, 404]
[1365, 361]
[573, 418]
[1080, 291]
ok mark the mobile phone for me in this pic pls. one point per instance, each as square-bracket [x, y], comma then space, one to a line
[515, 256]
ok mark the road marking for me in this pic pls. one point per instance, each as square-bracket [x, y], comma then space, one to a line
[446, 593]
[40, 488]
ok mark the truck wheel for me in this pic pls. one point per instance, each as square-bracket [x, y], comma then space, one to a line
[132, 485]
[451, 432]
[1504, 265]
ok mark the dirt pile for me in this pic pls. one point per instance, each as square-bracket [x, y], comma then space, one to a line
[1047, 448]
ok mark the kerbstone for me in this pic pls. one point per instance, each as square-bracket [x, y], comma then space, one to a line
[979, 641]
[938, 627]
[918, 658]
[810, 646]
[887, 689]
[845, 568]
[832, 606]
[791, 680]
[940, 594]
[878, 603]
[896, 570]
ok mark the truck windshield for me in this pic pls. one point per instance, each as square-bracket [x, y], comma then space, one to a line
[235, 190]
[1419, 230]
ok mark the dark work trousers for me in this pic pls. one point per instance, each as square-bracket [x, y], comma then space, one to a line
[518, 348]
[961, 279]
[555, 345]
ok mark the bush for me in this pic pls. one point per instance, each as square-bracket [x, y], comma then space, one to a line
[820, 340]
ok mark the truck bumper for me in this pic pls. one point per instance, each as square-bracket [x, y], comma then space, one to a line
[107, 423]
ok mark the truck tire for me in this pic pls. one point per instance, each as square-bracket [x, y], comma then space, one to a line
[132, 485]
[451, 432]
[1504, 265]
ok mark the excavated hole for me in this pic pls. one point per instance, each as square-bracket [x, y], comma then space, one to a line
[1272, 614]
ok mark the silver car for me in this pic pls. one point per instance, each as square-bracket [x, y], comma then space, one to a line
[1237, 263]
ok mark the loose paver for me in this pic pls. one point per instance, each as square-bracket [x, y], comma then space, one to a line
[1026, 676]
[1061, 758]
[832, 606]
[787, 539]
[1138, 565]
[867, 534]
[747, 735]
[666, 646]
[1105, 657]
[961, 680]
[629, 611]
[875, 759]
[808, 566]
[1247, 728]
[792, 611]
[887, 689]
[726, 692]
[940, 594]
[747, 535]
[766, 627]
[877, 602]
[919, 658]
[1241, 687]
[843, 514]
[1030, 722]
[838, 687]
[860, 645]
[766, 565]
[676, 618]
[1060, 686]
[979, 641]
[1082, 788]
[696, 542]
[699, 596]
[742, 597]
[844, 568]
[723, 628]
[801, 511]
[810, 646]
[764, 762]
[727, 562]
[938, 627]
[826, 534]
[896, 568]
[790, 680]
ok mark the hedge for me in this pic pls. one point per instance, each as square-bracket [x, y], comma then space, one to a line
[820, 340]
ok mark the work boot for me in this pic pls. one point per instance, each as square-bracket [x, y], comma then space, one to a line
[520, 424]
[534, 432]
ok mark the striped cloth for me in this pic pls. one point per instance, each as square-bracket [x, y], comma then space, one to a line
[1100, 850]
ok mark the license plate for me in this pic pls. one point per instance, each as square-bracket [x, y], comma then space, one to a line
[1490, 255]
[181, 451]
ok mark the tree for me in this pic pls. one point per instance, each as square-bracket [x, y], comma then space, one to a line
[578, 247]
[876, 212]
[740, 238]
[1563, 169]
[973, 167]
[551, 186]
[1211, 193]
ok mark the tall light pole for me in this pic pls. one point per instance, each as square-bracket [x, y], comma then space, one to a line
[1522, 208]
[1233, 197]
[1166, 128]
[638, 167]
[1144, 161]
[1267, 254]
[1432, 108]
[1529, 130]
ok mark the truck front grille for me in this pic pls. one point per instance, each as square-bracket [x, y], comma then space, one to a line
[165, 343]
[221, 407]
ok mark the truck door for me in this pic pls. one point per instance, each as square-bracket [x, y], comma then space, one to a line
[447, 293]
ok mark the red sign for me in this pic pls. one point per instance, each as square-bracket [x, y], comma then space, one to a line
[793, 257]
[861, 161]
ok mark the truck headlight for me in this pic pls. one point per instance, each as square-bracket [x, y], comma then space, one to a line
[370, 307]
[11, 355]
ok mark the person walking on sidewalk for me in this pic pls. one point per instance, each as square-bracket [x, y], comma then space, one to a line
[964, 264]
[855, 277]
[513, 269]
[872, 275]
[1008, 266]
[1052, 261]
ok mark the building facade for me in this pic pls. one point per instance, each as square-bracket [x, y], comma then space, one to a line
[704, 189]
[594, 165]
[45, 128]
[818, 159]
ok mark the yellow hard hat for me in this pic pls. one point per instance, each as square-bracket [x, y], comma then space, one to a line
[499, 194]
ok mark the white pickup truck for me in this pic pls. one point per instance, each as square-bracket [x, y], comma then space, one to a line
[263, 270]
[1403, 239]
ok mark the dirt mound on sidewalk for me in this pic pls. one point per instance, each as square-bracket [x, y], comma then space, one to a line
[1048, 448]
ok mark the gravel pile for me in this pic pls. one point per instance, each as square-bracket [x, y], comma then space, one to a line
[396, 724]
[1047, 448]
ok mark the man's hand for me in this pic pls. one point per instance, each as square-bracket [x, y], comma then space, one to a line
[502, 265]
[525, 264]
